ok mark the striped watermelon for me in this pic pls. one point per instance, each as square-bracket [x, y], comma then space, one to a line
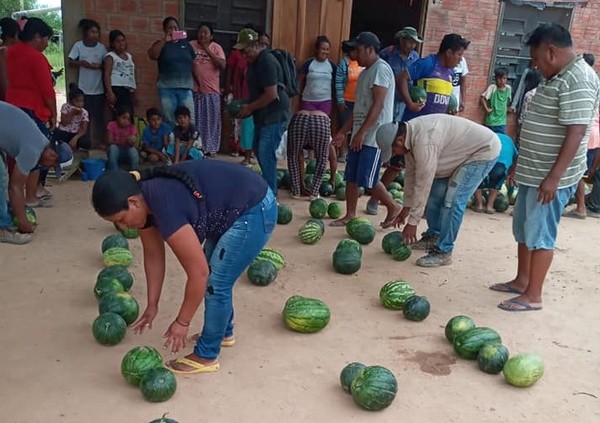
[394, 294]
[391, 240]
[318, 222]
[273, 256]
[117, 256]
[318, 208]
[350, 226]
[305, 315]
[401, 252]
[310, 233]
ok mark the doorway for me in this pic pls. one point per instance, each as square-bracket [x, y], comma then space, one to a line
[386, 17]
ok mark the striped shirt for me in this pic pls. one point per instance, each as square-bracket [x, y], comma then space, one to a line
[569, 98]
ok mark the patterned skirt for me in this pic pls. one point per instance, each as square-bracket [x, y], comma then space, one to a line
[208, 120]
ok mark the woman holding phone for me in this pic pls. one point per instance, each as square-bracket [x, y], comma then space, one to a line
[175, 57]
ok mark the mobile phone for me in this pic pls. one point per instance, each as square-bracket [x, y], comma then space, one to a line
[179, 35]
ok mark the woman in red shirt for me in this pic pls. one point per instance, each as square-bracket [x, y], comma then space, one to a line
[30, 88]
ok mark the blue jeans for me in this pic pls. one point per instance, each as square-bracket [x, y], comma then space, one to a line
[5, 217]
[118, 154]
[448, 200]
[227, 258]
[266, 142]
[499, 129]
[171, 99]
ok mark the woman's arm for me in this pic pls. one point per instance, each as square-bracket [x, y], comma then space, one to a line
[217, 60]
[107, 75]
[155, 49]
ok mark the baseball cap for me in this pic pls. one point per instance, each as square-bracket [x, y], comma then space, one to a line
[245, 37]
[409, 32]
[367, 39]
[385, 136]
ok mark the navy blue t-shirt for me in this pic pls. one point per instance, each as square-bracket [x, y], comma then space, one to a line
[228, 190]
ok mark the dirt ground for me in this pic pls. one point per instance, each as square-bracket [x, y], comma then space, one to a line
[52, 370]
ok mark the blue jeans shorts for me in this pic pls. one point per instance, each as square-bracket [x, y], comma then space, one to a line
[362, 167]
[536, 224]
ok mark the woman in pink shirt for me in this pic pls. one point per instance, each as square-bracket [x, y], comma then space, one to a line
[209, 62]
[122, 135]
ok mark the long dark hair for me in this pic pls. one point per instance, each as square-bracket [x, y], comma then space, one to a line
[113, 189]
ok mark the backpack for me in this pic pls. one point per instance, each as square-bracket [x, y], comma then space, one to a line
[290, 76]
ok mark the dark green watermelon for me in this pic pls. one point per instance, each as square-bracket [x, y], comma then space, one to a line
[114, 240]
[453, 105]
[164, 419]
[261, 272]
[416, 308]
[492, 358]
[418, 94]
[284, 214]
[326, 189]
[349, 373]
[374, 388]
[235, 107]
[501, 203]
[469, 343]
[118, 273]
[137, 362]
[109, 329]
[158, 385]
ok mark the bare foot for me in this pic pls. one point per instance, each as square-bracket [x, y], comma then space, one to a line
[175, 365]
[341, 222]
[515, 286]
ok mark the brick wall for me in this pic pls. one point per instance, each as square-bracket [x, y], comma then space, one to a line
[141, 21]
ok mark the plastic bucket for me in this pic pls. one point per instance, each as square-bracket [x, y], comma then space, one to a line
[92, 169]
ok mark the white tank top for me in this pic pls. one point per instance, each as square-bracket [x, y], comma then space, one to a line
[123, 71]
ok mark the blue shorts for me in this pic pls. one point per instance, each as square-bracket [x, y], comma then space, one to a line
[534, 224]
[591, 155]
[499, 129]
[362, 167]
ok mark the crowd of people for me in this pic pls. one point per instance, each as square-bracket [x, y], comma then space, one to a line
[217, 216]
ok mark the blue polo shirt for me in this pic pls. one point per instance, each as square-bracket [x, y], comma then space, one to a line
[228, 190]
[155, 139]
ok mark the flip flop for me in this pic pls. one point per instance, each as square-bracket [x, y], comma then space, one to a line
[504, 287]
[478, 209]
[517, 305]
[573, 213]
[489, 211]
[388, 223]
[42, 202]
[196, 367]
[340, 223]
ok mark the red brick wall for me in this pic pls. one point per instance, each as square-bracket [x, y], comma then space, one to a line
[141, 21]
[586, 30]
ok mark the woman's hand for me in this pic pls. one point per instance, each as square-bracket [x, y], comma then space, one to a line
[176, 336]
[146, 320]
[111, 98]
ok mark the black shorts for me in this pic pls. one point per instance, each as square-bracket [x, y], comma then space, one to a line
[396, 162]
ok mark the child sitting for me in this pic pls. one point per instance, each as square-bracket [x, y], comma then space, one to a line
[496, 100]
[156, 137]
[187, 144]
[495, 179]
[74, 121]
[121, 141]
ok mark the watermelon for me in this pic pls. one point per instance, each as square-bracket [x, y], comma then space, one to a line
[310, 233]
[416, 308]
[395, 193]
[338, 179]
[364, 233]
[349, 244]
[119, 273]
[318, 208]
[308, 181]
[492, 357]
[311, 165]
[346, 261]
[394, 294]
[353, 223]
[158, 385]
[283, 181]
[106, 286]
[261, 272]
[349, 373]
[117, 255]
[469, 343]
[273, 256]
[30, 214]
[109, 329]
[418, 94]
[457, 326]
[235, 107]
[164, 419]
[501, 203]
[391, 240]
[523, 370]
[121, 303]
[374, 388]
[130, 233]
[335, 210]
[137, 362]
[340, 193]
[284, 214]
[401, 252]
[305, 315]
[453, 104]
[318, 222]
[512, 192]
[394, 186]
[400, 178]
[326, 189]
[114, 240]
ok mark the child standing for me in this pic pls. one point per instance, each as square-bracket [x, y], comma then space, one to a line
[74, 120]
[496, 100]
[119, 73]
[187, 144]
[156, 137]
[497, 176]
[87, 55]
[122, 135]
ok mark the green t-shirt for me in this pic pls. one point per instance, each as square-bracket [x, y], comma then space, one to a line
[498, 100]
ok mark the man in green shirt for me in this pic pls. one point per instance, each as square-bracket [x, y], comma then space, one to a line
[552, 158]
[495, 101]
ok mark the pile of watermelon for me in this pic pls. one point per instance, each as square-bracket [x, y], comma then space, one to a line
[143, 367]
[485, 345]
[373, 388]
[393, 244]
[396, 190]
[264, 268]
[117, 308]
[400, 295]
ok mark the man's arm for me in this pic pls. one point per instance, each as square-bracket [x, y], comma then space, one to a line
[16, 189]
[463, 92]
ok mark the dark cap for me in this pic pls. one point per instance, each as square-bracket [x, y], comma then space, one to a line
[367, 39]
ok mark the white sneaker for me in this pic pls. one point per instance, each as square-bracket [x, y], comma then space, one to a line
[13, 237]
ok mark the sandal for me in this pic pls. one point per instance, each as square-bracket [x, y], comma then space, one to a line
[517, 305]
[196, 367]
[41, 202]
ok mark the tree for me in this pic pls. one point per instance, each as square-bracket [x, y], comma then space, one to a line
[8, 7]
